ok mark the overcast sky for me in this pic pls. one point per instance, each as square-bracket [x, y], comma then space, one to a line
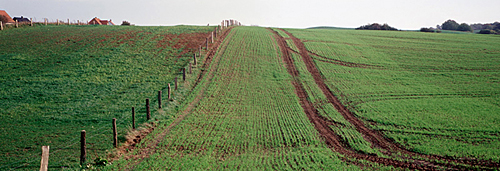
[402, 14]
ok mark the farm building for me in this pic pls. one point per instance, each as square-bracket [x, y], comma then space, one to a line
[5, 16]
[97, 21]
[21, 19]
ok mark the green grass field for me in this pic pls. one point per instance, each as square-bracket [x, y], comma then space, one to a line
[59, 80]
[433, 93]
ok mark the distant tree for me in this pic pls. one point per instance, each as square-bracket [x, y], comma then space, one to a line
[376, 26]
[423, 29]
[465, 27]
[438, 27]
[125, 23]
[450, 25]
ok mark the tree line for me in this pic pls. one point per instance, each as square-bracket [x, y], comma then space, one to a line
[489, 28]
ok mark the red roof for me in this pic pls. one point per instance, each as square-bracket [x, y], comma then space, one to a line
[97, 21]
[9, 19]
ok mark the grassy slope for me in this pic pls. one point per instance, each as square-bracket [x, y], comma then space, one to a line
[58, 80]
[249, 117]
[435, 93]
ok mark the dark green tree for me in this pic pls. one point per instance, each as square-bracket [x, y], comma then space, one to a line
[450, 25]
[465, 27]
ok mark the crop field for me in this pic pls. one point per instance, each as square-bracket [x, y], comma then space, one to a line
[59, 80]
[260, 98]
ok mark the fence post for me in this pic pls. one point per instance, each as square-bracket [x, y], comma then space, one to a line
[183, 74]
[148, 111]
[45, 21]
[159, 99]
[215, 32]
[68, 22]
[78, 22]
[133, 117]
[212, 37]
[57, 21]
[194, 59]
[199, 51]
[17, 25]
[44, 164]
[31, 21]
[1, 25]
[169, 91]
[115, 134]
[83, 148]
[190, 68]
[175, 80]
[206, 40]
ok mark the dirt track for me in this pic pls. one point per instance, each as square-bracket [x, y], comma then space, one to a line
[416, 161]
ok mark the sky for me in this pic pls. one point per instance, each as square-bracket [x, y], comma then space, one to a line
[401, 14]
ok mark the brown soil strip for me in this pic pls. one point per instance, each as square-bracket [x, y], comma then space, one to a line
[374, 137]
[151, 147]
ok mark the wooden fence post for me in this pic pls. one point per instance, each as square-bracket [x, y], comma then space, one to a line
[68, 22]
[212, 37]
[183, 74]
[17, 24]
[44, 164]
[194, 59]
[215, 32]
[45, 21]
[206, 40]
[31, 21]
[175, 80]
[83, 148]
[57, 21]
[1, 25]
[159, 99]
[148, 111]
[169, 91]
[190, 68]
[78, 22]
[115, 134]
[133, 117]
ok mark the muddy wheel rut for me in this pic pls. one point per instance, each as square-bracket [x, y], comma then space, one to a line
[411, 159]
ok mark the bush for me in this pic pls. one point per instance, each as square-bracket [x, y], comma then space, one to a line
[376, 26]
[125, 23]
[450, 25]
[423, 29]
[487, 31]
[465, 27]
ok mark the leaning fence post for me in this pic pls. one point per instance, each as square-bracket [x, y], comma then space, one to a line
[133, 117]
[115, 134]
[44, 164]
[148, 111]
[159, 99]
[1, 25]
[83, 148]
[169, 91]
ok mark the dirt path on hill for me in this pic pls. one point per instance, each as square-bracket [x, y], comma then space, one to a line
[152, 146]
[374, 137]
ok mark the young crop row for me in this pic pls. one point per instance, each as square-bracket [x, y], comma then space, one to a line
[249, 117]
[427, 90]
[59, 80]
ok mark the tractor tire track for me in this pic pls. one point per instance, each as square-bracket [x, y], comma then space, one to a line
[374, 137]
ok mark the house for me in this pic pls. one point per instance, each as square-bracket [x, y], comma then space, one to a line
[6, 16]
[21, 19]
[97, 21]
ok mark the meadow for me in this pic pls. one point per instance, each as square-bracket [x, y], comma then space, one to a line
[432, 93]
[59, 80]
